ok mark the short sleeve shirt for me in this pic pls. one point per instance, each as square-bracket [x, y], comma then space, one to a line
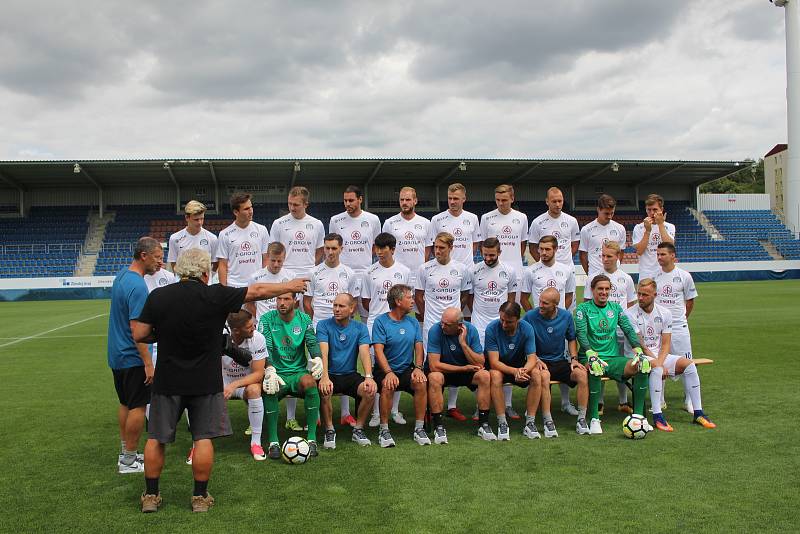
[449, 347]
[301, 237]
[412, 238]
[511, 230]
[232, 371]
[551, 333]
[593, 236]
[564, 228]
[243, 249]
[128, 295]
[343, 344]
[327, 282]
[375, 286]
[182, 240]
[399, 339]
[358, 236]
[648, 264]
[674, 289]
[513, 350]
[539, 277]
[465, 229]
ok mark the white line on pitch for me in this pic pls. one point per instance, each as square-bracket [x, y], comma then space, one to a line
[57, 337]
[20, 340]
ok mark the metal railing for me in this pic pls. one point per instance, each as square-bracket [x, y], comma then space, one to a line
[42, 248]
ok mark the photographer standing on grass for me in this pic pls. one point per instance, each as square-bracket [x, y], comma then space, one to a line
[186, 319]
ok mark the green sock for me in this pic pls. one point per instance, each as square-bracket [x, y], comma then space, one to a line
[312, 411]
[271, 407]
[640, 384]
[594, 396]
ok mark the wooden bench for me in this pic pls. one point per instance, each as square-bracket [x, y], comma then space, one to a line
[697, 361]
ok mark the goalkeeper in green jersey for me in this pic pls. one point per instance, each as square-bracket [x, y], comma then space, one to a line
[289, 334]
[596, 324]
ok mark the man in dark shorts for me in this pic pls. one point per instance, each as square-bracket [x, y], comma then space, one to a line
[455, 358]
[552, 326]
[130, 362]
[342, 342]
[186, 319]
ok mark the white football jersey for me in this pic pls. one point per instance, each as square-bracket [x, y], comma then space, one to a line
[412, 238]
[442, 285]
[648, 264]
[327, 282]
[649, 326]
[265, 276]
[623, 290]
[243, 248]
[182, 240]
[674, 289]
[377, 282]
[465, 229]
[490, 287]
[564, 228]
[358, 234]
[232, 371]
[302, 238]
[593, 236]
[511, 230]
[539, 277]
[160, 278]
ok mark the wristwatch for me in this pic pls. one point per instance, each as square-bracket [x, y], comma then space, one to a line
[415, 366]
[368, 376]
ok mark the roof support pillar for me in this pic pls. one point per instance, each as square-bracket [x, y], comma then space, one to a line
[216, 186]
[371, 177]
[168, 168]
[79, 168]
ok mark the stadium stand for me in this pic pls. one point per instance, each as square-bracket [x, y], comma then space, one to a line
[744, 229]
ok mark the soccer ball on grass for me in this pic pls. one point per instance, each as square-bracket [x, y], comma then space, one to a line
[295, 450]
[634, 427]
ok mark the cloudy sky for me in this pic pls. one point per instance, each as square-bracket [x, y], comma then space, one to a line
[576, 79]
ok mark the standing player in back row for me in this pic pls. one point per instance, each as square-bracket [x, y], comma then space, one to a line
[242, 246]
[300, 233]
[413, 234]
[509, 226]
[647, 235]
[193, 236]
[596, 234]
[562, 226]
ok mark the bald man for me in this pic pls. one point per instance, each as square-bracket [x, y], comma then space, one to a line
[455, 358]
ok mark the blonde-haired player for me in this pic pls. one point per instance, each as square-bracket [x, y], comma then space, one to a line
[193, 236]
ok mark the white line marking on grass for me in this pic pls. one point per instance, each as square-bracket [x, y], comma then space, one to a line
[20, 340]
[58, 337]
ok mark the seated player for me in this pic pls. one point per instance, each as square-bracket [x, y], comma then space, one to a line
[455, 358]
[552, 326]
[397, 342]
[511, 348]
[596, 324]
[343, 341]
[242, 382]
[653, 323]
[289, 334]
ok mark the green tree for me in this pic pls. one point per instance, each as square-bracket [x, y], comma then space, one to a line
[748, 180]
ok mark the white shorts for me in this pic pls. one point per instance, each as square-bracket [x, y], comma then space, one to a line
[681, 341]
[669, 364]
[238, 393]
[480, 323]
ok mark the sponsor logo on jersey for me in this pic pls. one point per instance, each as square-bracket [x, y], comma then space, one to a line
[299, 235]
[333, 286]
[355, 235]
[551, 283]
[651, 331]
[458, 232]
[492, 285]
[444, 282]
[387, 284]
[507, 229]
[409, 235]
[557, 235]
[286, 341]
[579, 314]
[603, 324]
[245, 246]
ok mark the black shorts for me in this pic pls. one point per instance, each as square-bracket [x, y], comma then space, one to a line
[347, 384]
[132, 392]
[404, 378]
[561, 371]
[510, 379]
[208, 416]
[460, 379]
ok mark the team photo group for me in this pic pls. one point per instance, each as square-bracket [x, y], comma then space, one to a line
[363, 311]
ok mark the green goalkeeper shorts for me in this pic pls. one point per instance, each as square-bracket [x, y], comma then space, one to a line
[616, 367]
[292, 386]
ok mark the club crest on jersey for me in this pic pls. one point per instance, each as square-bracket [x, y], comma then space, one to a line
[453, 272]
[549, 329]
[467, 223]
[506, 229]
[364, 224]
[515, 221]
[204, 242]
[343, 275]
[296, 330]
[503, 275]
[559, 274]
[417, 227]
[299, 235]
[610, 314]
[355, 235]
[333, 286]
[398, 276]
[162, 281]
[676, 279]
[579, 314]
[309, 226]
[342, 337]
[612, 232]
[444, 282]
[452, 347]
[657, 320]
[511, 346]
[564, 224]
[254, 234]
[245, 246]
[402, 331]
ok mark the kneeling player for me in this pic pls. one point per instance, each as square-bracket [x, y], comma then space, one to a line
[596, 324]
[653, 323]
[289, 334]
[455, 358]
[342, 341]
[511, 348]
[397, 341]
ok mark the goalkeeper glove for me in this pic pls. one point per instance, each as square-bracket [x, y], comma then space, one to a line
[315, 367]
[237, 354]
[596, 365]
[272, 382]
[642, 361]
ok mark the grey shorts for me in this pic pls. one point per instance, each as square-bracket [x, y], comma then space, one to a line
[208, 416]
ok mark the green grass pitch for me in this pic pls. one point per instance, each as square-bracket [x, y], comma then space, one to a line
[59, 442]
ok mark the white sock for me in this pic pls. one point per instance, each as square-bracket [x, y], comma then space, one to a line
[255, 413]
[188, 423]
[147, 411]
[507, 394]
[623, 393]
[452, 397]
[376, 406]
[656, 389]
[396, 402]
[564, 389]
[691, 385]
[345, 406]
[291, 408]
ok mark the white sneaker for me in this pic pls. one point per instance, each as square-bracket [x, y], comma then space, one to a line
[421, 437]
[135, 467]
[594, 427]
[139, 456]
[485, 433]
[550, 430]
[530, 431]
[439, 435]
[329, 441]
[570, 409]
[398, 418]
[375, 420]
[360, 437]
[581, 427]
[385, 439]
[503, 433]
[646, 426]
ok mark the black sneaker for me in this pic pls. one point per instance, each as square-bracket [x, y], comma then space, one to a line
[274, 451]
[330, 439]
[312, 449]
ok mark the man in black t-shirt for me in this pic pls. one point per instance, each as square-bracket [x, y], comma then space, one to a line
[186, 319]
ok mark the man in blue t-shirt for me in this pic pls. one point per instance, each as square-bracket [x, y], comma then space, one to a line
[130, 362]
[397, 342]
[553, 326]
[511, 349]
[455, 358]
[342, 341]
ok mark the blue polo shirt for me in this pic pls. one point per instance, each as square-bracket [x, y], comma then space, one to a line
[128, 295]
[449, 348]
[514, 349]
[398, 338]
[343, 343]
[551, 333]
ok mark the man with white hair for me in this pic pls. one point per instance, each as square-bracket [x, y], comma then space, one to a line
[193, 236]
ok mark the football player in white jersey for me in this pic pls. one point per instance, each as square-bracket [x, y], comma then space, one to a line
[653, 323]
[547, 272]
[242, 246]
[654, 229]
[328, 279]
[245, 382]
[596, 234]
[676, 292]
[562, 226]
[378, 280]
[461, 224]
[274, 272]
[412, 232]
[193, 236]
[300, 233]
[358, 229]
[509, 226]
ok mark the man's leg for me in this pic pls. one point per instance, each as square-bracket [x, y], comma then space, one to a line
[122, 419]
[201, 468]
[364, 407]
[255, 412]
[326, 411]
[272, 407]
[581, 377]
[308, 387]
[640, 381]
[435, 396]
[498, 400]
[134, 425]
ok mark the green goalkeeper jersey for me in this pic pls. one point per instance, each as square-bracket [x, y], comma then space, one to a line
[287, 342]
[596, 328]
